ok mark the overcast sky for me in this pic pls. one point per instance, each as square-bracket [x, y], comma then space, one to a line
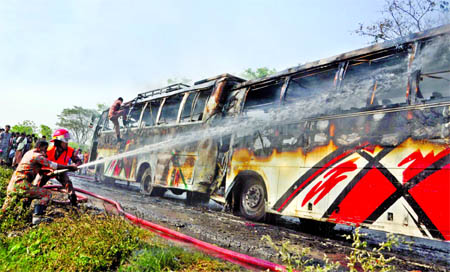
[57, 54]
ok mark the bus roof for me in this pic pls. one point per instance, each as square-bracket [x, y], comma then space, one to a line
[444, 29]
[181, 87]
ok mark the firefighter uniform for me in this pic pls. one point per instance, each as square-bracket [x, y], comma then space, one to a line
[20, 184]
[63, 159]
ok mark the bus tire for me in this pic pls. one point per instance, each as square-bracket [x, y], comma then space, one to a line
[147, 187]
[252, 201]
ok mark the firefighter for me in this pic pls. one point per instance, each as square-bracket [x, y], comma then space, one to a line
[61, 153]
[114, 113]
[20, 185]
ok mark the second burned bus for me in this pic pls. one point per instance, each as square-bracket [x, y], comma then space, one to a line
[363, 140]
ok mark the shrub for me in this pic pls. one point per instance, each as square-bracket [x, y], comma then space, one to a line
[72, 243]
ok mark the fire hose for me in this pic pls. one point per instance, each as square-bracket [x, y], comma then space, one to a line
[167, 233]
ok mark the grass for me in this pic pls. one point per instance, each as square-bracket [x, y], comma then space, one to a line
[84, 240]
[361, 257]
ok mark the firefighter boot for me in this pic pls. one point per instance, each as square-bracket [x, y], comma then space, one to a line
[73, 199]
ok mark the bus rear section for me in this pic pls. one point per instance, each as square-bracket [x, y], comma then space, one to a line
[358, 139]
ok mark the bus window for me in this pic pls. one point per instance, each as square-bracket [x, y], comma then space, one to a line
[150, 113]
[390, 80]
[357, 86]
[186, 112]
[309, 87]
[435, 69]
[262, 98]
[135, 115]
[170, 109]
[200, 104]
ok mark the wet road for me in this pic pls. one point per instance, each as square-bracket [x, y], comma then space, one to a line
[208, 223]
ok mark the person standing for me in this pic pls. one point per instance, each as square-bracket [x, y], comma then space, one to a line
[21, 142]
[20, 185]
[61, 153]
[5, 139]
[114, 113]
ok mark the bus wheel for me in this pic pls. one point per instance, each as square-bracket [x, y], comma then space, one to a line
[147, 187]
[252, 200]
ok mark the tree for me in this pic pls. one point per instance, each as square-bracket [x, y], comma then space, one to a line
[77, 120]
[46, 131]
[27, 126]
[258, 73]
[403, 17]
[101, 107]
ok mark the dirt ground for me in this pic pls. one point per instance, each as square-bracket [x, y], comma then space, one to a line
[209, 223]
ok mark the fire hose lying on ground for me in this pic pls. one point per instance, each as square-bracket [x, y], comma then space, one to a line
[225, 254]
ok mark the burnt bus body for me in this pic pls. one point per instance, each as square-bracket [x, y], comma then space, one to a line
[157, 116]
[363, 139]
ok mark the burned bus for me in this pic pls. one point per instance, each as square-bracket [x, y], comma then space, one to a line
[156, 116]
[361, 138]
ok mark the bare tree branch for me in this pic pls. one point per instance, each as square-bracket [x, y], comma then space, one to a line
[403, 17]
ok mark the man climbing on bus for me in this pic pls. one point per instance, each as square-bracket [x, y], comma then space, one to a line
[20, 186]
[61, 153]
[115, 112]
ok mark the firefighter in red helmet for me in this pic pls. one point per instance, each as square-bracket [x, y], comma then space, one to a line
[61, 153]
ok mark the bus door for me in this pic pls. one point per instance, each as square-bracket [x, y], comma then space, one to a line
[205, 107]
[168, 159]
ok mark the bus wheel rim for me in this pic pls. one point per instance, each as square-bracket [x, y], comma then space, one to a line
[253, 197]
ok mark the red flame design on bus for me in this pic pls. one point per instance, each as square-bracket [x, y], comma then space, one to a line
[336, 175]
[419, 162]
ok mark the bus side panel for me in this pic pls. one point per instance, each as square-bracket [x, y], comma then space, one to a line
[388, 181]
[175, 167]
[123, 168]
[403, 187]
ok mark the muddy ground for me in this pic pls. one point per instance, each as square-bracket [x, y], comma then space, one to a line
[209, 223]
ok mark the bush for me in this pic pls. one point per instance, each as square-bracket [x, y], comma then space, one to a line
[84, 243]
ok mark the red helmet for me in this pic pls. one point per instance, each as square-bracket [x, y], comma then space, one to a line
[61, 135]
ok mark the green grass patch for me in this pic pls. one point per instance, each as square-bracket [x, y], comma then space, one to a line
[161, 257]
[73, 243]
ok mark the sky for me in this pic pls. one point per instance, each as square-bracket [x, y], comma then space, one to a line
[60, 54]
